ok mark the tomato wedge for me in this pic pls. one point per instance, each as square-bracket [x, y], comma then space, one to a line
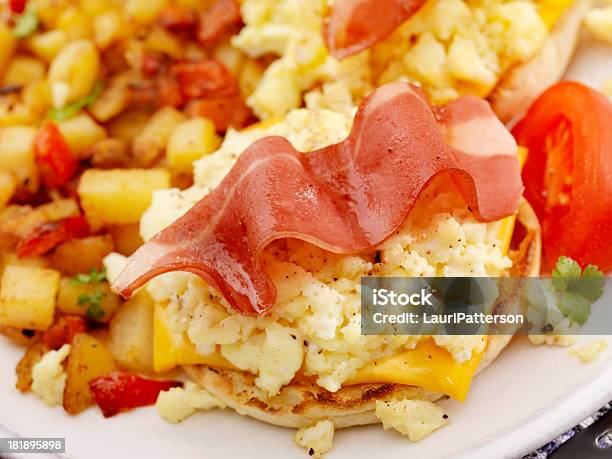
[17, 6]
[568, 174]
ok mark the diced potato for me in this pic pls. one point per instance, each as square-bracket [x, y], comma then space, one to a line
[75, 24]
[81, 133]
[73, 72]
[7, 45]
[127, 238]
[37, 97]
[47, 45]
[230, 57]
[31, 357]
[249, 77]
[11, 259]
[60, 209]
[49, 11]
[18, 221]
[108, 28]
[144, 11]
[127, 125]
[88, 360]
[110, 154]
[19, 336]
[97, 301]
[82, 255]
[93, 8]
[189, 141]
[27, 297]
[7, 188]
[15, 113]
[131, 334]
[119, 196]
[114, 98]
[151, 142]
[162, 41]
[22, 70]
[17, 155]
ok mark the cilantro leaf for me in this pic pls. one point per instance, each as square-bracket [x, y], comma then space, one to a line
[27, 22]
[575, 306]
[565, 269]
[94, 277]
[93, 301]
[70, 110]
[577, 289]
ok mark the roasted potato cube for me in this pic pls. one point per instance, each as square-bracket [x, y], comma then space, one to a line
[189, 141]
[28, 297]
[113, 99]
[11, 259]
[81, 133]
[7, 45]
[32, 356]
[110, 154]
[131, 334]
[75, 24]
[19, 336]
[47, 45]
[23, 70]
[128, 125]
[126, 238]
[73, 72]
[17, 155]
[109, 27]
[82, 255]
[144, 11]
[94, 300]
[7, 188]
[88, 360]
[119, 196]
[151, 142]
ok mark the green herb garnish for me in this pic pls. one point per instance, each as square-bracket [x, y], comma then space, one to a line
[93, 301]
[577, 289]
[27, 22]
[69, 111]
[94, 277]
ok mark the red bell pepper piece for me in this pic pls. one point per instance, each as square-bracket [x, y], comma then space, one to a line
[56, 162]
[119, 392]
[177, 18]
[204, 78]
[219, 21]
[63, 331]
[17, 6]
[47, 236]
[222, 111]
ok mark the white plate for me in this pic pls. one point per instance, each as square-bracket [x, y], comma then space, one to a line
[527, 397]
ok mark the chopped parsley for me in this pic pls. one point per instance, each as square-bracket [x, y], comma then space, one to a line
[70, 110]
[577, 288]
[93, 301]
[27, 22]
[94, 277]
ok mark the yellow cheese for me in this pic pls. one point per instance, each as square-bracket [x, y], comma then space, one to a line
[168, 351]
[507, 225]
[428, 366]
[552, 10]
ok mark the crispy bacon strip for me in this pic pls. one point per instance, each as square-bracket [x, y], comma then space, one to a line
[355, 25]
[345, 198]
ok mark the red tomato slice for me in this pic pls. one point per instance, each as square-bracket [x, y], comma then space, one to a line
[221, 20]
[17, 6]
[205, 78]
[119, 392]
[56, 162]
[568, 174]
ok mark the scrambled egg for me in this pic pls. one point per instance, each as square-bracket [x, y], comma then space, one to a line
[414, 418]
[450, 47]
[177, 404]
[599, 23]
[553, 340]
[49, 377]
[316, 439]
[588, 352]
[314, 327]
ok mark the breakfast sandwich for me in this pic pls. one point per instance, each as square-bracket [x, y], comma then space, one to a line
[255, 270]
[334, 53]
